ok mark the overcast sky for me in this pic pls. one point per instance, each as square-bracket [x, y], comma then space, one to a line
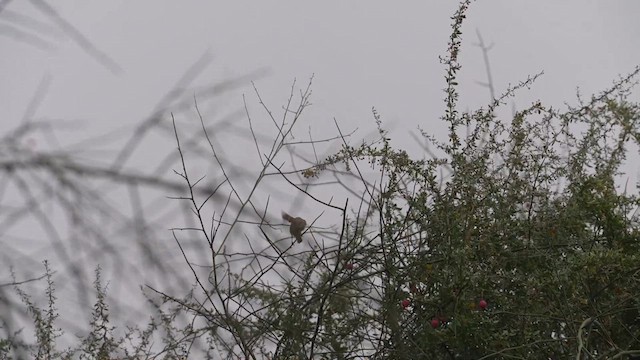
[363, 54]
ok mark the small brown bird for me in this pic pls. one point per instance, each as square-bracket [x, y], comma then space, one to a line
[297, 226]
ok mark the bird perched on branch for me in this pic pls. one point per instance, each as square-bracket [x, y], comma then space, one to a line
[297, 225]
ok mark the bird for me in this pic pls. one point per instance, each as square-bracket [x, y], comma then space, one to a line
[297, 225]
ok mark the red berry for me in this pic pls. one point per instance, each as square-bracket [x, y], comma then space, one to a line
[435, 323]
[348, 266]
[483, 304]
[406, 303]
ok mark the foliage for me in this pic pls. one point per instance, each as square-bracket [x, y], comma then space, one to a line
[526, 249]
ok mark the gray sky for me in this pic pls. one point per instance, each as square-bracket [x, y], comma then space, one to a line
[364, 54]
